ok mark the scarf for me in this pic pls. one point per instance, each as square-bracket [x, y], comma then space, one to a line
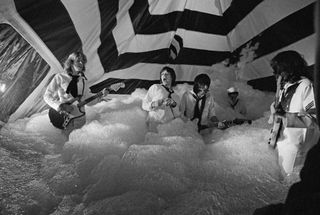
[198, 110]
[170, 91]
[287, 96]
[73, 85]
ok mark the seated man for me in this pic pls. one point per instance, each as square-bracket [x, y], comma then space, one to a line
[198, 104]
[237, 106]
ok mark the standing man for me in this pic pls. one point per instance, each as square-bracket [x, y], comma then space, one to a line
[296, 109]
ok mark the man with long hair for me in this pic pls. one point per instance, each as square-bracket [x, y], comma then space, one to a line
[69, 86]
[296, 108]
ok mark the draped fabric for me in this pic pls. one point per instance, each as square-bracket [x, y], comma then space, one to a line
[175, 47]
[129, 40]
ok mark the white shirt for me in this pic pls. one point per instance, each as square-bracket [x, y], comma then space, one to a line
[164, 113]
[239, 110]
[55, 93]
[188, 104]
[303, 98]
[296, 141]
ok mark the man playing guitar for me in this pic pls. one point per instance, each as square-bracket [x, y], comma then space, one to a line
[68, 87]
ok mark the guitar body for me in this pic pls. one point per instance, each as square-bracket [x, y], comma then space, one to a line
[62, 119]
[275, 132]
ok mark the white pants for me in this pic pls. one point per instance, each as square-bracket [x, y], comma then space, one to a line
[294, 145]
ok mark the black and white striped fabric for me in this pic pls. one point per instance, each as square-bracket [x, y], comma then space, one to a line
[175, 47]
[119, 34]
[130, 39]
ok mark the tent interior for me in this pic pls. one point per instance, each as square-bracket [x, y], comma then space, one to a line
[129, 41]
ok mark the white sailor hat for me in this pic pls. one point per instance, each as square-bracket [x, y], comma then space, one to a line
[232, 90]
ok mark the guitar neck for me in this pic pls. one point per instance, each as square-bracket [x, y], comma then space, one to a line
[277, 96]
[114, 87]
[90, 99]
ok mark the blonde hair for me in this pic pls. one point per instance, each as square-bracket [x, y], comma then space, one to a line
[72, 58]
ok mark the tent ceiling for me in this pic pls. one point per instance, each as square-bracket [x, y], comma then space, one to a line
[131, 37]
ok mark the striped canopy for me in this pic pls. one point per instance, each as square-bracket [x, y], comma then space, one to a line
[130, 40]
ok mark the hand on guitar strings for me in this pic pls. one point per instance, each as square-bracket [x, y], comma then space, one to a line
[219, 124]
[65, 108]
[222, 125]
[104, 93]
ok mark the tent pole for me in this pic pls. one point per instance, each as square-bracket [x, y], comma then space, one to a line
[317, 60]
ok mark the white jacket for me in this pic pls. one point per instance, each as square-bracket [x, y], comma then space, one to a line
[188, 104]
[163, 113]
[55, 93]
[296, 141]
[239, 111]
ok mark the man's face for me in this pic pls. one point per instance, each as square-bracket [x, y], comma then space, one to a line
[279, 72]
[285, 77]
[78, 65]
[166, 78]
[202, 90]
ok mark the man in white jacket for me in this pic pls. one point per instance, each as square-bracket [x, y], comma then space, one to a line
[198, 104]
[297, 110]
[161, 102]
[237, 107]
[65, 88]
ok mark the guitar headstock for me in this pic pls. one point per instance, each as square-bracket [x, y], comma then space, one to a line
[115, 87]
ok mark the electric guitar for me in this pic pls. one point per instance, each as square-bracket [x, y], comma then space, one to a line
[61, 119]
[276, 120]
[226, 124]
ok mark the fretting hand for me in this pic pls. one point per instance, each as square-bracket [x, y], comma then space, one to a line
[222, 125]
[104, 93]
